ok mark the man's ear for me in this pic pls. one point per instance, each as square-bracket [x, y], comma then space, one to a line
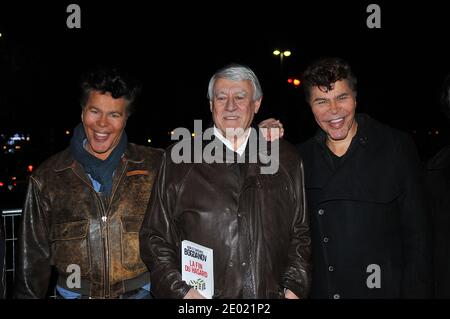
[210, 106]
[257, 104]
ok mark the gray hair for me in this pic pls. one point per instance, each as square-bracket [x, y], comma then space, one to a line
[236, 72]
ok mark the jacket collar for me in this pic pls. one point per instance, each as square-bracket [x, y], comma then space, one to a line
[66, 161]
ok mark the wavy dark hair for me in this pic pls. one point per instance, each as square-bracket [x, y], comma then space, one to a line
[110, 80]
[324, 72]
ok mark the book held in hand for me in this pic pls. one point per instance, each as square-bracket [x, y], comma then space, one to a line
[197, 267]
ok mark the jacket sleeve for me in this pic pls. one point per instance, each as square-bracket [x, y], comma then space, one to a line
[33, 266]
[159, 240]
[415, 221]
[297, 276]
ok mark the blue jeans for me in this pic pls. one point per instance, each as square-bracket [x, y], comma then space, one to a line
[141, 293]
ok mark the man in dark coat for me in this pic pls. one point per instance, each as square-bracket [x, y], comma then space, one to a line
[437, 173]
[369, 224]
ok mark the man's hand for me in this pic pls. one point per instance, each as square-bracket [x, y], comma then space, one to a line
[193, 294]
[290, 295]
[271, 129]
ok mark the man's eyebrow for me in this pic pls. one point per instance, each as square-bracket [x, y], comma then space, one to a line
[343, 95]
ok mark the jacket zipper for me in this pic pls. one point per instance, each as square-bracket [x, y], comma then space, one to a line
[105, 249]
[103, 221]
[106, 238]
[104, 228]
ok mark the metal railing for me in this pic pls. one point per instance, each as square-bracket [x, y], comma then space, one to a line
[11, 218]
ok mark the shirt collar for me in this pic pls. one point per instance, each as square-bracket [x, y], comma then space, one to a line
[229, 145]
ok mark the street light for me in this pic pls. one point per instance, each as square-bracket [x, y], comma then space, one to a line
[282, 54]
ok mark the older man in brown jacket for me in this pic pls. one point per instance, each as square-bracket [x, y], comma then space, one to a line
[254, 221]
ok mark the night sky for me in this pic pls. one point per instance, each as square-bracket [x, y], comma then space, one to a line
[175, 47]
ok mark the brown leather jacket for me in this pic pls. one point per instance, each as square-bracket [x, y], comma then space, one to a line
[256, 224]
[65, 222]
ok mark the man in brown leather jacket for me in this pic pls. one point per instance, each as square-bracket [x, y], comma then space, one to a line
[255, 221]
[85, 205]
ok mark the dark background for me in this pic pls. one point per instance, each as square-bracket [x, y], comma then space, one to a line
[175, 47]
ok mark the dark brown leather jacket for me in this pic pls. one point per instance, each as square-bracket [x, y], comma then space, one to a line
[256, 224]
[65, 222]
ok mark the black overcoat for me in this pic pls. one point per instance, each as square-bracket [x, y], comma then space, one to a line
[369, 220]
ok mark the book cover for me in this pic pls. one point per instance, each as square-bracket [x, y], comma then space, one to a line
[197, 267]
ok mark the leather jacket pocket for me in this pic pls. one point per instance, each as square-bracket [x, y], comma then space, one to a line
[131, 259]
[71, 246]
